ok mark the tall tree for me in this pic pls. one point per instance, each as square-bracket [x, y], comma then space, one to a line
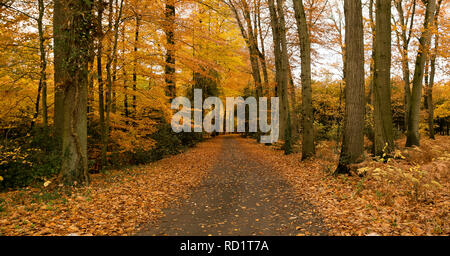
[58, 50]
[250, 36]
[308, 147]
[413, 137]
[169, 68]
[429, 88]
[262, 53]
[285, 115]
[135, 63]
[42, 87]
[43, 62]
[92, 74]
[111, 52]
[384, 137]
[281, 70]
[353, 138]
[405, 38]
[100, 4]
[369, 127]
[126, 112]
[72, 36]
[277, 49]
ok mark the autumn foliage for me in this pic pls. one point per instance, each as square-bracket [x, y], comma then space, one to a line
[86, 145]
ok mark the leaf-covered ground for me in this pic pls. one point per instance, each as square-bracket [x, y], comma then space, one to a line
[408, 195]
[113, 204]
[231, 185]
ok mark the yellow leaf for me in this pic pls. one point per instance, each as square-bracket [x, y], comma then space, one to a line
[47, 183]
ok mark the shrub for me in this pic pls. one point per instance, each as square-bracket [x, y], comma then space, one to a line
[326, 132]
[29, 159]
[165, 141]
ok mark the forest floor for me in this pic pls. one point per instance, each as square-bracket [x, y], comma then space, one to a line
[235, 186]
[240, 196]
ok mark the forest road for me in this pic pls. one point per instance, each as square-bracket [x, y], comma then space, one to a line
[240, 196]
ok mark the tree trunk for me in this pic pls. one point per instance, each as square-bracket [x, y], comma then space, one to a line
[114, 80]
[101, 97]
[253, 49]
[405, 37]
[308, 148]
[262, 53]
[125, 80]
[372, 65]
[42, 87]
[59, 19]
[370, 129]
[295, 123]
[135, 64]
[285, 115]
[433, 72]
[250, 41]
[90, 107]
[277, 48]
[169, 69]
[72, 23]
[114, 67]
[413, 137]
[36, 105]
[426, 81]
[275, 25]
[108, 52]
[353, 139]
[254, 56]
[43, 63]
[384, 137]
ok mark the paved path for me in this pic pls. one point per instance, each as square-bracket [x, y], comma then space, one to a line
[239, 197]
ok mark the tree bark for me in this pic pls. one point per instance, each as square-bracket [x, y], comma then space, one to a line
[112, 60]
[43, 63]
[114, 80]
[372, 65]
[277, 49]
[426, 81]
[285, 115]
[59, 19]
[281, 74]
[135, 64]
[251, 43]
[353, 138]
[308, 148]
[433, 72]
[413, 137]
[262, 53]
[125, 78]
[405, 38]
[370, 129]
[72, 34]
[384, 137]
[101, 97]
[253, 49]
[295, 122]
[42, 87]
[169, 68]
[90, 107]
